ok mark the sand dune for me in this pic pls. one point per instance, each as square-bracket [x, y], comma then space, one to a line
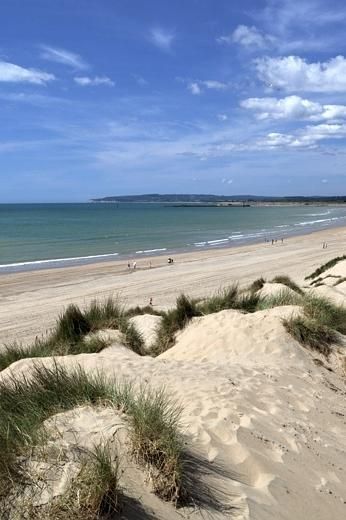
[254, 402]
[263, 416]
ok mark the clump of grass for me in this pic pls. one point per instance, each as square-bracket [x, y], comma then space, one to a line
[104, 315]
[282, 298]
[132, 338]
[325, 312]
[70, 331]
[225, 299]
[15, 351]
[173, 321]
[137, 311]
[26, 403]
[230, 298]
[286, 280]
[248, 302]
[340, 280]
[71, 325]
[155, 441]
[318, 281]
[93, 494]
[312, 334]
[257, 284]
[325, 266]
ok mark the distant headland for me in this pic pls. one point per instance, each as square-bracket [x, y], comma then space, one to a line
[221, 200]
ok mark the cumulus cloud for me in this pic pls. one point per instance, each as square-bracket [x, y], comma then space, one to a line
[309, 137]
[248, 36]
[197, 87]
[293, 107]
[63, 56]
[9, 72]
[194, 88]
[293, 73]
[162, 38]
[85, 81]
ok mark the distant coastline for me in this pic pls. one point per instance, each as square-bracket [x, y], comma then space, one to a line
[210, 200]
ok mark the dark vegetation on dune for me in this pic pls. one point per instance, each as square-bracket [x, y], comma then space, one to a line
[324, 267]
[153, 418]
[72, 333]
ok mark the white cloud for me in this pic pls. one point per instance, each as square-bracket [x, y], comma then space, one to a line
[222, 117]
[293, 73]
[85, 81]
[162, 38]
[196, 87]
[9, 72]
[214, 85]
[63, 56]
[140, 80]
[308, 138]
[248, 37]
[293, 107]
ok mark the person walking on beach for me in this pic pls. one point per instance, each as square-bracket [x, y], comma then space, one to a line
[134, 265]
[128, 265]
[151, 301]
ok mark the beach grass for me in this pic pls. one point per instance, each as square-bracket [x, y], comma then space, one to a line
[324, 267]
[70, 333]
[26, 402]
[94, 493]
[325, 312]
[312, 334]
[174, 320]
[286, 280]
[280, 299]
[318, 327]
[257, 284]
[131, 337]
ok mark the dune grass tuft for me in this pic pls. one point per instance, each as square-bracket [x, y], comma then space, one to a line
[286, 280]
[280, 299]
[132, 338]
[318, 326]
[104, 314]
[27, 402]
[224, 299]
[137, 311]
[173, 321]
[71, 326]
[325, 266]
[342, 279]
[312, 334]
[70, 331]
[257, 284]
[325, 312]
[94, 494]
[154, 419]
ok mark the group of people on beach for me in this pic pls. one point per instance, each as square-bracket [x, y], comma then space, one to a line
[273, 240]
[134, 264]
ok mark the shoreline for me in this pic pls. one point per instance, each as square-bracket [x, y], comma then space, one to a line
[32, 300]
[148, 255]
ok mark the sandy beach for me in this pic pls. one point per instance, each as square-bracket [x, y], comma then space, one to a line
[31, 300]
[263, 416]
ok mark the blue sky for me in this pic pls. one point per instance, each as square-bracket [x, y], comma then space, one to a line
[185, 96]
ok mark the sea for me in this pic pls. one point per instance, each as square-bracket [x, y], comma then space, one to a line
[41, 236]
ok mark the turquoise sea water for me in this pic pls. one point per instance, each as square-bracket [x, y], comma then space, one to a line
[34, 236]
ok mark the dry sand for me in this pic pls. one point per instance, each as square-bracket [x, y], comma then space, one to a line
[30, 301]
[263, 415]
